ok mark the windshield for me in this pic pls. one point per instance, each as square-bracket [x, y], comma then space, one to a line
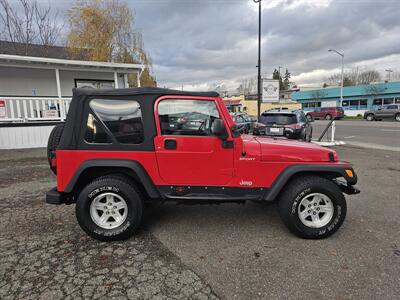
[278, 119]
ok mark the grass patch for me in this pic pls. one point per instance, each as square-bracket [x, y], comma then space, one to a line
[353, 118]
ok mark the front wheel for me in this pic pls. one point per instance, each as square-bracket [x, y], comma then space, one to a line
[312, 207]
[397, 117]
[328, 117]
[109, 209]
[370, 117]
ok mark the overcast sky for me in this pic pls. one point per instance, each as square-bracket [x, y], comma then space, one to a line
[203, 43]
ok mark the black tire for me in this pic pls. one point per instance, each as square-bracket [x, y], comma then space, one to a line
[397, 117]
[52, 143]
[370, 117]
[310, 136]
[297, 190]
[124, 189]
[328, 117]
[303, 135]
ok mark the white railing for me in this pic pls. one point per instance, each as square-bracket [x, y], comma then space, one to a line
[26, 109]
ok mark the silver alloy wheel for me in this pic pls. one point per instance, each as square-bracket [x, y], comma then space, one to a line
[315, 210]
[370, 117]
[398, 117]
[108, 210]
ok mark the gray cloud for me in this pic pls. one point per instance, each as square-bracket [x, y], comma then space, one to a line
[206, 42]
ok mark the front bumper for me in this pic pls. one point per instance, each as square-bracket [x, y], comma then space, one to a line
[347, 188]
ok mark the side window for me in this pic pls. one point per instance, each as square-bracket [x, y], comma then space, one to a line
[246, 118]
[123, 118]
[240, 119]
[187, 117]
[392, 107]
[302, 117]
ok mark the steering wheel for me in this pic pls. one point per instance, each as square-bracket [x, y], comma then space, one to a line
[202, 128]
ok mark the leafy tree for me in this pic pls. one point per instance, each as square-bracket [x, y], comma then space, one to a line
[102, 30]
[354, 77]
[25, 22]
[247, 86]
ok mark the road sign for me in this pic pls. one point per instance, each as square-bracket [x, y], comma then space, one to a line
[270, 90]
[3, 109]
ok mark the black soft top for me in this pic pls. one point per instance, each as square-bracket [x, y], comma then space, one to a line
[139, 91]
[75, 126]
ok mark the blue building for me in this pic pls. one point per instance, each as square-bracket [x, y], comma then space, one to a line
[356, 99]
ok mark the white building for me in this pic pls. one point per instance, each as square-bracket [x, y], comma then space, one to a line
[35, 93]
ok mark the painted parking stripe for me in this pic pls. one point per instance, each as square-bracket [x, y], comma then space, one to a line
[349, 137]
[390, 129]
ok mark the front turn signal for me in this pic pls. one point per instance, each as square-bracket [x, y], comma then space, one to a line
[349, 173]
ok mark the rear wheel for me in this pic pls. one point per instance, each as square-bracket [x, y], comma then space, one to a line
[312, 207]
[328, 117]
[370, 117]
[109, 209]
[397, 117]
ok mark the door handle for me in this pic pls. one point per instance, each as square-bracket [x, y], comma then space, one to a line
[170, 144]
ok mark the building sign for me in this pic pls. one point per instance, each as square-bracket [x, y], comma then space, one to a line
[270, 90]
[3, 109]
[50, 114]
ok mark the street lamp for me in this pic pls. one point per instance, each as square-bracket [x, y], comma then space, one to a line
[259, 60]
[341, 86]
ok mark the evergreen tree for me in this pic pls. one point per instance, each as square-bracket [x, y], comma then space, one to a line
[286, 81]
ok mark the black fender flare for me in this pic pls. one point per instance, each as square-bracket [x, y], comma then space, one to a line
[288, 173]
[132, 165]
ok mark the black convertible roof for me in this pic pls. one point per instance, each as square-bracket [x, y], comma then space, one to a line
[139, 91]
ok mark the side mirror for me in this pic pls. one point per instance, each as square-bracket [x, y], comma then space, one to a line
[218, 129]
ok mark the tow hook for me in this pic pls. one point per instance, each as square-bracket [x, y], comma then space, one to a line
[346, 188]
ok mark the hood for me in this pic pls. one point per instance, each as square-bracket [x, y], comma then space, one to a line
[284, 150]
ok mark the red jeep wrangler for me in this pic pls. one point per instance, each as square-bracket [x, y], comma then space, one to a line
[122, 148]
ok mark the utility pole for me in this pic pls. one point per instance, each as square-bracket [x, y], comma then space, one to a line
[341, 85]
[259, 60]
[388, 72]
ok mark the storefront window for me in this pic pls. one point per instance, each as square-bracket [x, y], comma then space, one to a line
[387, 101]
[94, 84]
[363, 103]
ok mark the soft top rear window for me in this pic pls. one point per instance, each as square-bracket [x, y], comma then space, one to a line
[123, 118]
[278, 119]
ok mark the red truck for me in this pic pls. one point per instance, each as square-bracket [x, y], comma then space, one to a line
[327, 113]
[122, 148]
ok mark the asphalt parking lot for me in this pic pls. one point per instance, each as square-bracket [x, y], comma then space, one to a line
[383, 135]
[200, 252]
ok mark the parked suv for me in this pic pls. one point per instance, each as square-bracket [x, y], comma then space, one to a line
[290, 123]
[389, 112]
[122, 148]
[327, 113]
